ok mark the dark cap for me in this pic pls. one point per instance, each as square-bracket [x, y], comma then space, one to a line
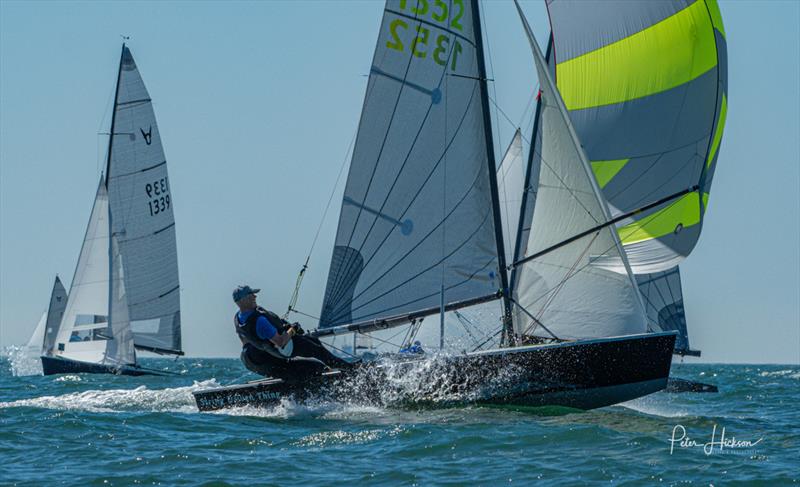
[242, 292]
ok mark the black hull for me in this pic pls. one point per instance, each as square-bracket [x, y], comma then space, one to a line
[58, 365]
[583, 375]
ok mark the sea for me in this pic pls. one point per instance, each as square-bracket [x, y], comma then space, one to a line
[109, 430]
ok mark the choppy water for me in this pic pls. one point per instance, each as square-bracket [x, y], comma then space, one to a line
[107, 430]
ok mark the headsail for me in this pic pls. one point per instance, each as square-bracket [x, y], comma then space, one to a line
[35, 342]
[663, 299]
[55, 312]
[645, 84]
[417, 218]
[83, 333]
[563, 289]
[144, 280]
[511, 184]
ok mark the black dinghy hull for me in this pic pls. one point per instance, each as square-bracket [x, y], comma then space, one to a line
[58, 365]
[584, 374]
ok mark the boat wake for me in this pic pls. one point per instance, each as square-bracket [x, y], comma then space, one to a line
[658, 404]
[177, 399]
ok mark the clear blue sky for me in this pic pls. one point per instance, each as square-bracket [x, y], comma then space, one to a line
[257, 104]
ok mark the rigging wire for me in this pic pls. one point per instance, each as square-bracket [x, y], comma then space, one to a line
[491, 68]
[296, 292]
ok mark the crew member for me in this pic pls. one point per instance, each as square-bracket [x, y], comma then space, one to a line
[266, 340]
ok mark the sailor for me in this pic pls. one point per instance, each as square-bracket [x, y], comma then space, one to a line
[272, 347]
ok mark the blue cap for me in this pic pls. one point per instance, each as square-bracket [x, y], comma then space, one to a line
[243, 291]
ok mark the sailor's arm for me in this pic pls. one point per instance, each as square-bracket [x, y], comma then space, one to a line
[282, 339]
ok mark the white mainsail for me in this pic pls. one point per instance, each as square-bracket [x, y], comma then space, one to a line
[563, 289]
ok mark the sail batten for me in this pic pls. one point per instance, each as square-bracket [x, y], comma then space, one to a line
[417, 225]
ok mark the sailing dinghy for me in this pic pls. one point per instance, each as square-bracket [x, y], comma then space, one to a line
[420, 234]
[124, 293]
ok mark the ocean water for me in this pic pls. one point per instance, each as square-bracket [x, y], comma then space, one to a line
[108, 430]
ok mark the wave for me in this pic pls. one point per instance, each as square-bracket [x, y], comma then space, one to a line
[176, 399]
[790, 373]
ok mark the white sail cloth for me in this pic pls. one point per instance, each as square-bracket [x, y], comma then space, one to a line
[563, 289]
[83, 333]
[511, 185]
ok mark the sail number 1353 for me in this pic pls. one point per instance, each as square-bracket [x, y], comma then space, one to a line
[158, 194]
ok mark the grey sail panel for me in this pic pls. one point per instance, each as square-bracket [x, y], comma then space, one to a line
[663, 299]
[142, 220]
[55, 311]
[563, 289]
[645, 84]
[417, 217]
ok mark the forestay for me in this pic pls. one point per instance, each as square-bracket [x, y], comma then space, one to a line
[663, 300]
[144, 281]
[563, 289]
[417, 226]
[55, 313]
[645, 83]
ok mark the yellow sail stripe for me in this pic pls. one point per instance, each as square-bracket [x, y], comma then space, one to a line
[723, 113]
[716, 16]
[604, 171]
[683, 213]
[665, 55]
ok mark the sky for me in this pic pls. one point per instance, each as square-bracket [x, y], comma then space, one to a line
[257, 104]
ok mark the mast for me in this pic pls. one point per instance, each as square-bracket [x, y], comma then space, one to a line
[108, 176]
[528, 179]
[508, 331]
[114, 115]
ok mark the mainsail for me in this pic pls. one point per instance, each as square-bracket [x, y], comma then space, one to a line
[645, 83]
[663, 298]
[564, 289]
[144, 275]
[419, 226]
[55, 312]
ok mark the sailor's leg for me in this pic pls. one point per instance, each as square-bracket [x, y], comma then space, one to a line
[261, 363]
[305, 346]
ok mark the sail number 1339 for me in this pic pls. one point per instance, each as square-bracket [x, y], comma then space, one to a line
[158, 195]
